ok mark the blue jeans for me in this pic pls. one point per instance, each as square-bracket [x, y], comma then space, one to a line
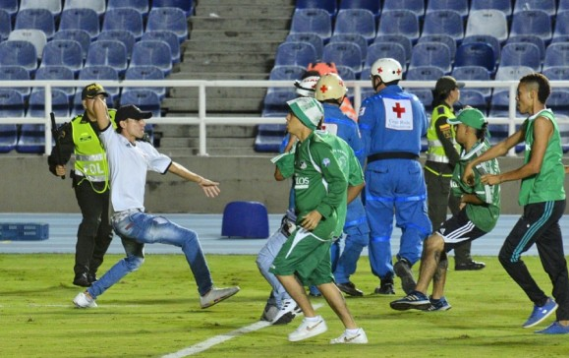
[137, 229]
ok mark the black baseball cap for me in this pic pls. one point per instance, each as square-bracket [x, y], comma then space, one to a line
[131, 112]
[93, 90]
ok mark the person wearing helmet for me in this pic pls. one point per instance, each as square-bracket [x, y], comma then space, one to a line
[392, 122]
[331, 91]
[306, 86]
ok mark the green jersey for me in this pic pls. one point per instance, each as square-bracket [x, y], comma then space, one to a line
[547, 185]
[484, 216]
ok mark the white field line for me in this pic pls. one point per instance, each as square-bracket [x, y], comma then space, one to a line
[207, 344]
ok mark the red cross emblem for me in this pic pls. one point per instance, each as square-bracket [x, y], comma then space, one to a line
[379, 70]
[323, 88]
[398, 109]
[398, 72]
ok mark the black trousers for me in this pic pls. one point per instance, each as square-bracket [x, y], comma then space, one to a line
[539, 224]
[439, 198]
[95, 232]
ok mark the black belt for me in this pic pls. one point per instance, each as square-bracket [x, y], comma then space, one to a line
[392, 155]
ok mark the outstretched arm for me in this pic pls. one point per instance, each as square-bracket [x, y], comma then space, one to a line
[210, 188]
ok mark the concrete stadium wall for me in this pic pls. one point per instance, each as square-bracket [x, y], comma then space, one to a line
[27, 186]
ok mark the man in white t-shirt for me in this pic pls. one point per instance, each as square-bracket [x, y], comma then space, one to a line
[129, 160]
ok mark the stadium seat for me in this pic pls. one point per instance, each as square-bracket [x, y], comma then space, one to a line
[274, 103]
[400, 22]
[354, 38]
[8, 135]
[532, 22]
[126, 37]
[499, 105]
[5, 25]
[19, 53]
[531, 39]
[98, 6]
[310, 37]
[425, 96]
[31, 139]
[476, 54]
[170, 19]
[59, 104]
[295, 53]
[473, 73]
[355, 21]
[315, 21]
[108, 53]
[10, 6]
[343, 54]
[36, 37]
[170, 38]
[460, 6]
[417, 7]
[126, 19]
[487, 22]
[444, 22]
[553, 73]
[424, 73]
[346, 73]
[152, 53]
[474, 98]
[379, 50]
[186, 5]
[77, 104]
[331, 7]
[521, 54]
[561, 24]
[255, 224]
[291, 72]
[39, 19]
[269, 138]
[66, 53]
[142, 6]
[53, 6]
[400, 39]
[487, 39]
[147, 74]
[557, 54]
[56, 73]
[498, 132]
[101, 73]
[558, 101]
[12, 104]
[504, 6]
[80, 19]
[446, 39]
[145, 99]
[548, 6]
[372, 5]
[431, 54]
[512, 73]
[80, 36]
[16, 73]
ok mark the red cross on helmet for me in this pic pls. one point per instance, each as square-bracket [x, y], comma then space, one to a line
[387, 69]
[330, 86]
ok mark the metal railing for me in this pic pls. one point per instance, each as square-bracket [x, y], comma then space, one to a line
[203, 120]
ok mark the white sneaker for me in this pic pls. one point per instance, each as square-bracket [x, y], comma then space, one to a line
[358, 338]
[287, 312]
[216, 295]
[308, 329]
[84, 301]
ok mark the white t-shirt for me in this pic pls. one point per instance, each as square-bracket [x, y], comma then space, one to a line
[128, 164]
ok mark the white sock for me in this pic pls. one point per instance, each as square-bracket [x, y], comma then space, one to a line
[352, 332]
[312, 319]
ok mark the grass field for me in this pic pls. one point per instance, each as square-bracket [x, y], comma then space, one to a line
[155, 312]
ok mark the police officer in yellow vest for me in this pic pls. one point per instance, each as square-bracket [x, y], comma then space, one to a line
[442, 156]
[91, 183]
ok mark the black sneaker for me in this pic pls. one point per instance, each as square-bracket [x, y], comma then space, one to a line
[403, 270]
[386, 288]
[82, 280]
[469, 266]
[350, 289]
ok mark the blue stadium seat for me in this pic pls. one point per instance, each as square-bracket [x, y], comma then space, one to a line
[152, 53]
[31, 139]
[170, 19]
[98, 6]
[146, 100]
[291, 72]
[511, 73]
[531, 39]
[59, 104]
[126, 37]
[274, 103]
[77, 105]
[379, 50]
[400, 22]
[558, 101]
[417, 7]
[400, 39]
[186, 5]
[80, 36]
[346, 73]
[36, 37]
[8, 136]
[295, 53]
[19, 53]
[269, 138]
[474, 99]
[564, 133]
[5, 25]
[10, 6]
[499, 103]
[548, 6]
[424, 73]
[331, 7]
[560, 73]
[108, 53]
[39, 19]
[142, 6]
[355, 38]
[473, 73]
[563, 5]
[53, 6]
[521, 54]
[57, 73]
[12, 104]
[444, 22]
[446, 39]
[487, 39]
[504, 6]
[101, 73]
[498, 132]
[431, 54]
[372, 5]
[170, 38]
[63, 53]
[310, 37]
[487, 22]
[343, 54]
[532, 22]
[80, 19]
[358, 21]
[147, 74]
[124, 19]
[426, 97]
[557, 54]
[561, 24]
[315, 21]
[460, 6]
[476, 54]
[253, 225]
[16, 73]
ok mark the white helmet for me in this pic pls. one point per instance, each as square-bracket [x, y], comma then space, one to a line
[330, 86]
[306, 86]
[387, 69]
